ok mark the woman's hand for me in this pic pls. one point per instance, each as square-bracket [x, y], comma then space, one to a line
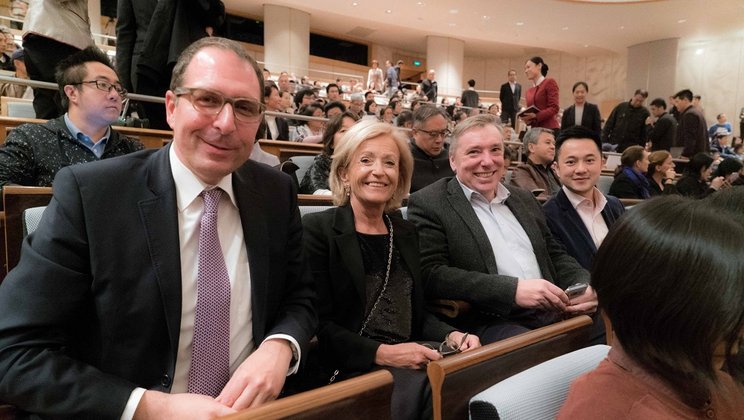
[670, 174]
[454, 339]
[717, 183]
[527, 117]
[405, 355]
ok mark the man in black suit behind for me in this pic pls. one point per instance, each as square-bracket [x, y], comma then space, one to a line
[99, 317]
[488, 244]
[510, 94]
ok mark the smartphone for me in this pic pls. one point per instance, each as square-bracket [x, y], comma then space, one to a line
[575, 290]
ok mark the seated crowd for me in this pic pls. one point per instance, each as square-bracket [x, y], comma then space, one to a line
[162, 326]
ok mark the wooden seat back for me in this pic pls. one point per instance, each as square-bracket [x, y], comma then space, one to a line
[16, 199]
[363, 397]
[286, 149]
[456, 379]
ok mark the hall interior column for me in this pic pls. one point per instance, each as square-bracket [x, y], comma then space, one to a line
[445, 56]
[286, 40]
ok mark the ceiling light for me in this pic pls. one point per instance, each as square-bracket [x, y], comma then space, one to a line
[485, 17]
[682, 21]
[699, 51]
[586, 45]
[622, 27]
[565, 28]
[388, 11]
[454, 11]
[420, 3]
[355, 4]
[520, 23]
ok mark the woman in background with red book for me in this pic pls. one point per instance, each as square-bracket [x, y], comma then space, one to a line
[543, 95]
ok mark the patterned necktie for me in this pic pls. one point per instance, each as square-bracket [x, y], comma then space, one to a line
[210, 359]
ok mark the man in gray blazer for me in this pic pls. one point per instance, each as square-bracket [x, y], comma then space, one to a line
[488, 244]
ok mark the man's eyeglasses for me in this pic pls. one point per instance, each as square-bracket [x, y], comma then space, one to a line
[105, 86]
[445, 349]
[435, 134]
[211, 103]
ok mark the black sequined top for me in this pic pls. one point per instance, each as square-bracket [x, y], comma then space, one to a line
[391, 321]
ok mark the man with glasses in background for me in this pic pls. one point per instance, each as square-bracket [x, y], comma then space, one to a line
[170, 283]
[428, 146]
[92, 96]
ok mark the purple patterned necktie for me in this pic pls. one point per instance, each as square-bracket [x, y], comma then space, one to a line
[210, 359]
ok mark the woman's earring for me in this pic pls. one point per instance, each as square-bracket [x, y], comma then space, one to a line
[347, 190]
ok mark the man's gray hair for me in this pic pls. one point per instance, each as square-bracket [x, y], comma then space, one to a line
[531, 137]
[471, 123]
[426, 111]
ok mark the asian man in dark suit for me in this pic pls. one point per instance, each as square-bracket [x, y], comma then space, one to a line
[579, 215]
[123, 306]
[510, 95]
[488, 244]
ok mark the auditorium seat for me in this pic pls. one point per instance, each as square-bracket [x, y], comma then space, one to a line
[538, 392]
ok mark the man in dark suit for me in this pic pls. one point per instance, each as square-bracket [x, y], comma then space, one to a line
[579, 215]
[488, 244]
[470, 97]
[663, 131]
[276, 127]
[120, 304]
[692, 131]
[510, 94]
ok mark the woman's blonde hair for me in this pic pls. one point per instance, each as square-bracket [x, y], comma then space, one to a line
[350, 142]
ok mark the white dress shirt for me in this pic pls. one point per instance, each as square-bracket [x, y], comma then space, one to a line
[271, 123]
[190, 206]
[590, 212]
[511, 246]
[578, 113]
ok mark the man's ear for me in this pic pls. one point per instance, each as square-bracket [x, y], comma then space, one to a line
[72, 93]
[170, 107]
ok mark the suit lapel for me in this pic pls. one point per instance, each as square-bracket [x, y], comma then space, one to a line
[464, 209]
[159, 215]
[347, 246]
[255, 233]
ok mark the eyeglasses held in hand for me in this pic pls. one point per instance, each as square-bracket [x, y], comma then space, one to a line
[207, 102]
[445, 349]
[106, 86]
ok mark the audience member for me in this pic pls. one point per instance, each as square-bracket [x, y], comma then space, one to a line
[663, 131]
[135, 326]
[429, 147]
[543, 95]
[34, 153]
[429, 86]
[721, 122]
[729, 170]
[579, 215]
[283, 83]
[14, 90]
[489, 245]
[370, 108]
[626, 125]
[333, 93]
[6, 61]
[372, 311]
[691, 131]
[334, 108]
[387, 115]
[303, 97]
[537, 173]
[315, 180]
[53, 31]
[18, 10]
[582, 113]
[287, 102]
[404, 119]
[356, 105]
[151, 35]
[308, 128]
[374, 77]
[470, 97]
[277, 128]
[694, 183]
[660, 174]
[630, 177]
[510, 95]
[673, 332]
[391, 79]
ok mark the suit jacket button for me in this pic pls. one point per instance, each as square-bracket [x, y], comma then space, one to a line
[165, 380]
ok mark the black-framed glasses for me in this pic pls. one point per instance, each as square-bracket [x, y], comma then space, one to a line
[211, 103]
[435, 134]
[106, 86]
[445, 349]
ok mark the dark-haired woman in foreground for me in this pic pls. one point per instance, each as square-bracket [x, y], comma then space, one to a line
[670, 278]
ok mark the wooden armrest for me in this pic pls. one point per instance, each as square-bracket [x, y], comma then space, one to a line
[366, 396]
[448, 307]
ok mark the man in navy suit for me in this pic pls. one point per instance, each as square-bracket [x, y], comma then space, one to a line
[510, 94]
[579, 215]
[100, 317]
